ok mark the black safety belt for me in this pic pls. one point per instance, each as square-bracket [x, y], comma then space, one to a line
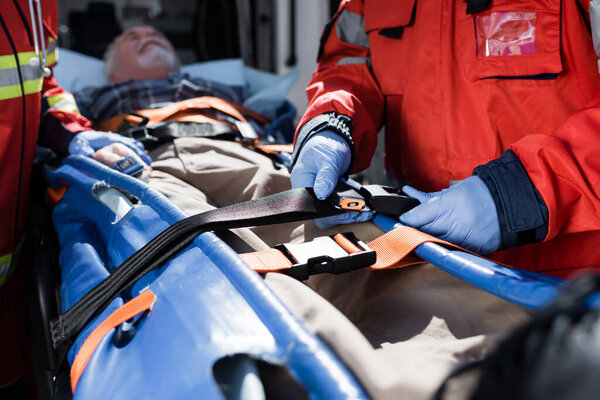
[289, 206]
[164, 132]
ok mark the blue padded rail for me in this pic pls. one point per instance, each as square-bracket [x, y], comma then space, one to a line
[525, 288]
[209, 303]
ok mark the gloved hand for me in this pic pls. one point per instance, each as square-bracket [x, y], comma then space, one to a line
[464, 214]
[321, 163]
[87, 142]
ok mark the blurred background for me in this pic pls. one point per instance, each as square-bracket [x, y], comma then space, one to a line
[271, 35]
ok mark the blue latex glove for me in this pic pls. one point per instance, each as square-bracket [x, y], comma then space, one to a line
[87, 142]
[321, 163]
[464, 214]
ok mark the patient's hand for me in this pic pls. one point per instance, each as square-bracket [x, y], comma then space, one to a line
[112, 153]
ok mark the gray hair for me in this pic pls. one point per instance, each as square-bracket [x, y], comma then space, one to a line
[109, 56]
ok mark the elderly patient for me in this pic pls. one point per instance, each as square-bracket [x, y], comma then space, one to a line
[144, 72]
[196, 174]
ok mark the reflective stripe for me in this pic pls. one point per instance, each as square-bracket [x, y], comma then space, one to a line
[10, 92]
[63, 102]
[10, 86]
[9, 77]
[4, 269]
[51, 52]
[350, 28]
[355, 60]
[5, 262]
[8, 61]
[595, 24]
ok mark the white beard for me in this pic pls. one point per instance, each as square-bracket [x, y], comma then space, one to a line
[158, 57]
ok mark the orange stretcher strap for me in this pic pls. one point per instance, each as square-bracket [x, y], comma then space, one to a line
[393, 250]
[273, 260]
[190, 110]
[54, 195]
[274, 148]
[394, 247]
[128, 310]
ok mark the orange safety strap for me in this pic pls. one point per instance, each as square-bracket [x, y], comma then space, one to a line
[55, 195]
[393, 250]
[190, 110]
[133, 307]
[274, 148]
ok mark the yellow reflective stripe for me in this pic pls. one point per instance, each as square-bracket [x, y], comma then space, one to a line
[52, 52]
[9, 76]
[63, 102]
[5, 262]
[12, 91]
[8, 61]
[33, 86]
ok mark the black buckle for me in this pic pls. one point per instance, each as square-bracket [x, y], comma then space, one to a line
[378, 198]
[387, 199]
[325, 255]
[345, 197]
[138, 132]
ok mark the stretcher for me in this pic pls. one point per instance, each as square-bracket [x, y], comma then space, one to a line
[206, 325]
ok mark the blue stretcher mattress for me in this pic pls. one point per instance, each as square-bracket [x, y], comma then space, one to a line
[209, 304]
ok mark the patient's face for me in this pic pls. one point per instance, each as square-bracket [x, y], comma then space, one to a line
[142, 53]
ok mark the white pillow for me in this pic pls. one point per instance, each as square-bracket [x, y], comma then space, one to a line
[75, 71]
[227, 71]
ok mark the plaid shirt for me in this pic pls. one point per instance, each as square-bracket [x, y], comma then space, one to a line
[100, 104]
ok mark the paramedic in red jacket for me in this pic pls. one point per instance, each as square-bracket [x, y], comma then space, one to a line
[499, 95]
[31, 101]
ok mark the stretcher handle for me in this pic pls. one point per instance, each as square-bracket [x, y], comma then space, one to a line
[133, 307]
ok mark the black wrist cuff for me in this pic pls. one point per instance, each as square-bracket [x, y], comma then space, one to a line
[522, 213]
[339, 123]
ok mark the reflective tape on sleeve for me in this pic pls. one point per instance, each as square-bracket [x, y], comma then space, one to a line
[63, 102]
[355, 60]
[350, 28]
[52, 52]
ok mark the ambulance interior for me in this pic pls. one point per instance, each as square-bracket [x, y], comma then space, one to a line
[275, 43]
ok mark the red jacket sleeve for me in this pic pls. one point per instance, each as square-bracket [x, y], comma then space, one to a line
[565, 169]
[61, 119]
[343, 82]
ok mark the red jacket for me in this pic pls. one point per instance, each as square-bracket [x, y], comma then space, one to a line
[453, 95]
[21, 89]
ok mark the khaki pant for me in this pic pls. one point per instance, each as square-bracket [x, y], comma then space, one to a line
[400, 331]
